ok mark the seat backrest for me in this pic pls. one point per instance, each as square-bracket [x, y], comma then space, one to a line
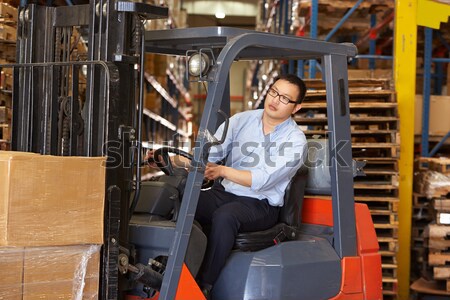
[291, 211]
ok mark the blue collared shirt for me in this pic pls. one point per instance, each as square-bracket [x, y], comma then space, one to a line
[272, 159]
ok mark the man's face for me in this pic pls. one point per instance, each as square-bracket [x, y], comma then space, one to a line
[277, 110]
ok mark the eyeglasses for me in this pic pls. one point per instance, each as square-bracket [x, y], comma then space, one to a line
[283, 99]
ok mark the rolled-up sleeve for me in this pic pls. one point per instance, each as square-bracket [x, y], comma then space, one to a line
[283, 165]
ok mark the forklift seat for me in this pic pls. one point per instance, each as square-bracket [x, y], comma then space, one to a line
[289, 219]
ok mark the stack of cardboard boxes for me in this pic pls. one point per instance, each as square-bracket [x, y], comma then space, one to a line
[51, 226]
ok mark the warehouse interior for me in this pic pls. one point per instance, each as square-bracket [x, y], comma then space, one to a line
[87, 87]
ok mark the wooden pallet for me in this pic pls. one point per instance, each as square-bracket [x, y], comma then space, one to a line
[388, 204]
[418, 229]
[318, 119]
[422, 213]
[356, 95]
[441, 204]
[438, 258]
[355, 107]
[379, 165]
[426, 184]
[360, 134]
[389, 287]
[388, 244]
[438, 231]
[420, 199]
[386, 230]
[438, 238]
[354, 84]
[440, 165]
[419, 243]
[388, 257]
[378, 178]
[442, 273]
[389, 270]
[386, 192]
[383, 217]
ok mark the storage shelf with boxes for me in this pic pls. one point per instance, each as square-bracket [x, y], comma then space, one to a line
[8, 29]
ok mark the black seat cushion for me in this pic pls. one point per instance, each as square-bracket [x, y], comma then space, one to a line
[257, 240]
[288, 221]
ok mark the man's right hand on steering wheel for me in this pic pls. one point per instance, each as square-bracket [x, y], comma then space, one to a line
[149, 158]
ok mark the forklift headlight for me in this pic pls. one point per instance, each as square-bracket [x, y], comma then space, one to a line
[199, 64]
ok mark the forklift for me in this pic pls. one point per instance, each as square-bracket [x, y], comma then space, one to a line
[320, 249]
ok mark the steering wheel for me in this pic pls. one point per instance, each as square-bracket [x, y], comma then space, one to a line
[168, 168]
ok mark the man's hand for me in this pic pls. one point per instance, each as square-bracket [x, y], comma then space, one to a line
[213, 171]
[242, 177]
[149, 157]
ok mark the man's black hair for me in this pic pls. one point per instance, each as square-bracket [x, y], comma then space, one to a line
[295, 80]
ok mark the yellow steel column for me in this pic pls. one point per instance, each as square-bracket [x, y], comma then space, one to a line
[405, 48]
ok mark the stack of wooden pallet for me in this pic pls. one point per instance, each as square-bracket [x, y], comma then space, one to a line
[8, 29]
[438, 253]
[422, 215]
[375, 140]
[432, 247]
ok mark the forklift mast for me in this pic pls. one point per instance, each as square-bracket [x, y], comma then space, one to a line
[85, 105]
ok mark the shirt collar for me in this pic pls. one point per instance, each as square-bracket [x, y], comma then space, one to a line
[282, 125]
[278, 127]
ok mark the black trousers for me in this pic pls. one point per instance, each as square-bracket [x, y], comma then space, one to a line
[226, 214]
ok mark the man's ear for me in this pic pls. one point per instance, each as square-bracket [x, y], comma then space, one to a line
[296, 108]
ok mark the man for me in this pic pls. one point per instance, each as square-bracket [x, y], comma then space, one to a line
[263, 150]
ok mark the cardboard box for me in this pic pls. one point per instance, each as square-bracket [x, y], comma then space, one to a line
[11, 273]
[51, 200]
[439, 111]
[68, 272]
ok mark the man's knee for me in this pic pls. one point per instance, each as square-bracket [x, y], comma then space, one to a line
[225, 220]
